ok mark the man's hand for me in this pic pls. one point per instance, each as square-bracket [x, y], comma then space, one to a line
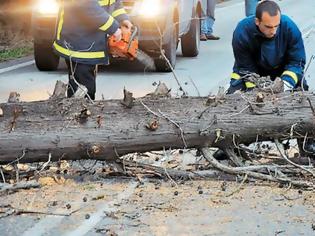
[126, 26]
[117, 34]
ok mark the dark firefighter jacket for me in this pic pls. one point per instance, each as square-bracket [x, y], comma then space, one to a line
[83, 27]
[282, 56]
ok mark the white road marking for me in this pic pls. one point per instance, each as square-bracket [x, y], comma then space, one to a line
[49, 222]
[87, 225]
[7, 69]
[43, 226]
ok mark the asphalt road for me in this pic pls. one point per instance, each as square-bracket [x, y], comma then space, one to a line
[201, 75]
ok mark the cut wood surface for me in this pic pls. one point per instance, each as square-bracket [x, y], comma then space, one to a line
[76, 129]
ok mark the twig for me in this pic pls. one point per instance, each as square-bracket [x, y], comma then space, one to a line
[201, 114]
[203, 131]
[146, 107]
[233, 157]
[292, 130]
[17, 172]
[291, 162]
[239, 187]
[167, 118]
[2, 175]
[171, 173]
[235, 171]
[312, 108]
[20, 185]
[304, 141]
[123, 162]
[168, 176]
[235, 114]
[7, 213]
[21, 211]
[167, 61]
[17, 211]
[46, 163]
[17, 160]
[308, 65]
[291, 199]
[191, 80]
[177, 125]
[69, 122]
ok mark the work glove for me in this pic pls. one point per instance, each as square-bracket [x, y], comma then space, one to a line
[237, 80]
[288, 81]
[278, 85]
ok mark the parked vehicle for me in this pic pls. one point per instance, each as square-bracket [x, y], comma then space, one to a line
[161, 23]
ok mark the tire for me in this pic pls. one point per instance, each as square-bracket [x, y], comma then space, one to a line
[45, 58]
[170, 53]
[191, 40]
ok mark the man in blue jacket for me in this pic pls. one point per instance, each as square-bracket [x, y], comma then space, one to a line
[267, 44]
[81, 38]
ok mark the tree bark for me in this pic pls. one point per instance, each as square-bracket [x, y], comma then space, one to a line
[76, 129]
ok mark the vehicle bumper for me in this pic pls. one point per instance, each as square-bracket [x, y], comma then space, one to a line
[151, 32]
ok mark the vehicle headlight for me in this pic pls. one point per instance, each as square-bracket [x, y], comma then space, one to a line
[47, 7]
[150, 8]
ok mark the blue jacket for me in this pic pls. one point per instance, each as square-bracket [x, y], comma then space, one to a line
[83, 27]
[282, 56]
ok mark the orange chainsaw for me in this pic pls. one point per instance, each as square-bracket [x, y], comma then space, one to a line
[127, 47]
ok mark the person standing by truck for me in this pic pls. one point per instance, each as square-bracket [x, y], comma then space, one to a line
[208, 22]
[81, 38]
[250, 7]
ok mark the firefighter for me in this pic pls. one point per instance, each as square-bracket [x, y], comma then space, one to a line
[268, 44]
[81, 38]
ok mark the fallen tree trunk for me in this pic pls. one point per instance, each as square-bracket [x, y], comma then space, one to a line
[76, 129]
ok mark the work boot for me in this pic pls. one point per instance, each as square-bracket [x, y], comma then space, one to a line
[212, 37]
[203, 37]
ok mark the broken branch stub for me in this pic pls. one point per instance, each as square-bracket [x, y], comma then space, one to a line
[59, 90]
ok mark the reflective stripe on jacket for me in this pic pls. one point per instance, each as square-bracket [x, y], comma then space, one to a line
[83, 27]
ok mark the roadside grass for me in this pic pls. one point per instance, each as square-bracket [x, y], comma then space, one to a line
[17, 52]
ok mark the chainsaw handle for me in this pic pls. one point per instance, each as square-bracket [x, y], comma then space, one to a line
[133, 35]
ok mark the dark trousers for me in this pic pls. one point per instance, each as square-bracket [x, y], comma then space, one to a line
[84, 74]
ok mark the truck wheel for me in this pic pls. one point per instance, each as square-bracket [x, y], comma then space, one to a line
[45, 58]
[191, 41]
[170, 53]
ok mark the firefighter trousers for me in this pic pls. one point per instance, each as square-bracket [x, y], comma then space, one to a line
[83, 74]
